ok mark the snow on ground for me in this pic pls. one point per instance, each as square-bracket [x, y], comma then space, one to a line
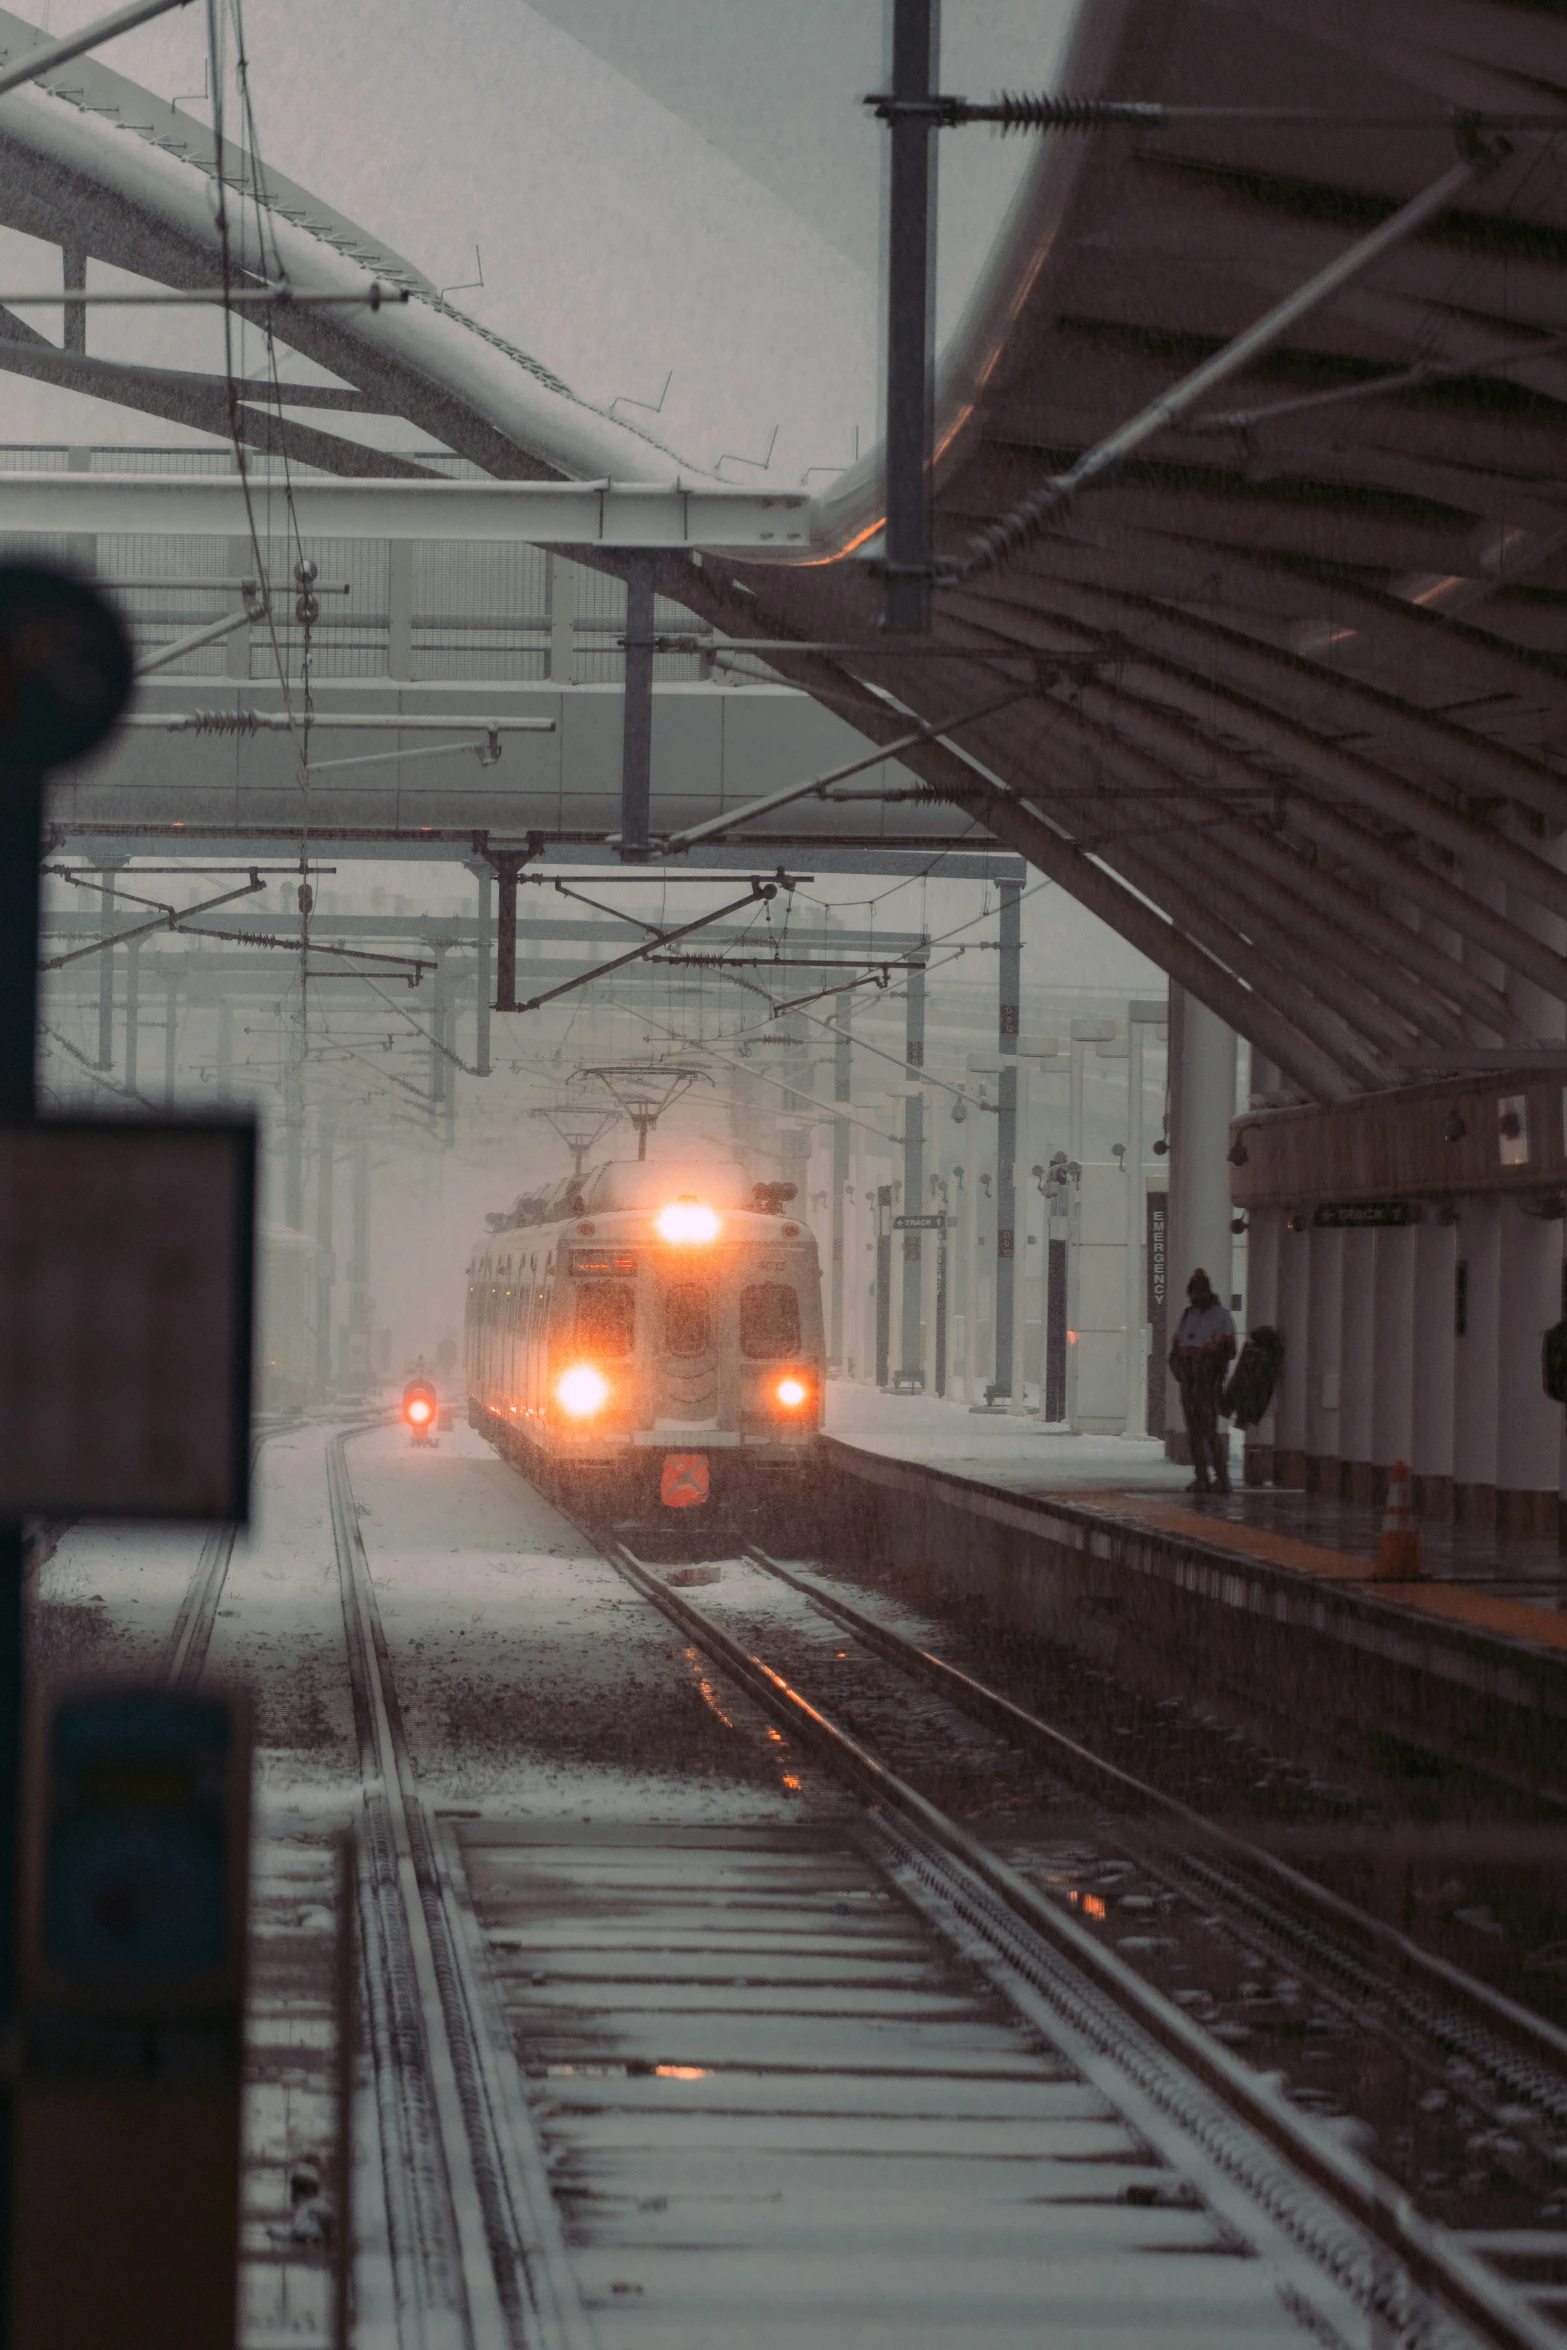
[1021, 1452]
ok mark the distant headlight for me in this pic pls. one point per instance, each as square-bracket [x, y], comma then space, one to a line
[582, 1391]
[686, 1220]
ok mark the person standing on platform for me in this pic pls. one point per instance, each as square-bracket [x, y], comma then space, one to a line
[1200, 1358]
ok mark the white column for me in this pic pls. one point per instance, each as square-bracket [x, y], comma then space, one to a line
[1393, 1348]
[1324, 1360]
[1357, 1358]
[1294, 1290]
[1027, 1199]
[1202, 1103]
[1435, 1350]
[1477, 1349]
[1264, 1226]
[1527, 1421]
[1136, 1230]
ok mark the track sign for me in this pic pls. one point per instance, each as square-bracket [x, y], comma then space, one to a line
[65, 668]
[125, 1319]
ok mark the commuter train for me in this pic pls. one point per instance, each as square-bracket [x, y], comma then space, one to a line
[648, 1347]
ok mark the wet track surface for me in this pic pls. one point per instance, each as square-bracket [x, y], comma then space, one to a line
[728, 2056]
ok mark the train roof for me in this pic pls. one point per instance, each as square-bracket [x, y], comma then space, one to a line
[632, 1183]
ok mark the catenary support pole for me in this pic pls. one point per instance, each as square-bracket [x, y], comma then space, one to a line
[106, 926]
[1010, 960]
[911, 1366]
[171, 1039]
[132, 1015]
[326, 1267]
[911, 255]
[842, 1092]
[484, 875]
[636, 748]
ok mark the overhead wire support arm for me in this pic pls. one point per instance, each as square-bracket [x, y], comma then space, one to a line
[935, 732]
[1041, 110]
[759, 893]
[166, 918]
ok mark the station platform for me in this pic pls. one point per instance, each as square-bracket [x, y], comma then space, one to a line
[1266, 1600]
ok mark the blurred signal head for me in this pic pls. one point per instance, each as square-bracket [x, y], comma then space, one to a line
[686, 1221]
[582, 1391]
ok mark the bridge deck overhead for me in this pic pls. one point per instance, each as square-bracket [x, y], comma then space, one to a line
[1292, 710]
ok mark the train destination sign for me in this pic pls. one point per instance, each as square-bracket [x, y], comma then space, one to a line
[125, 1308]
[1359, 1215]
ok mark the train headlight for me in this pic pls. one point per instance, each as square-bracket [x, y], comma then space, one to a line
[582, 1391]
[686, 1220]
[418, 1411]
[791, 1393]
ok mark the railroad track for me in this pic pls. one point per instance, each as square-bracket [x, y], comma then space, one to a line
[848, 2079]
[1474, 2275]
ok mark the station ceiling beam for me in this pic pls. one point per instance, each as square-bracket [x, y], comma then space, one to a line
[621, 515]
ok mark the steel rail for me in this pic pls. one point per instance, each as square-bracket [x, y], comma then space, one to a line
[1440, 2265]
[516, 2280]
[1537, 2033]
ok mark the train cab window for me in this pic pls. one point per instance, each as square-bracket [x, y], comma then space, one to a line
[607, 1318]
[688, 1319]
[769, 1320]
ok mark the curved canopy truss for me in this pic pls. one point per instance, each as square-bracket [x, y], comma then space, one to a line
[1297, 723]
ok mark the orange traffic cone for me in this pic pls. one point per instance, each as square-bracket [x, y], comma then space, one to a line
[1398, 1552]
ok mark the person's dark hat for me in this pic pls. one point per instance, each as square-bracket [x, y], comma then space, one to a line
[1199, 1284]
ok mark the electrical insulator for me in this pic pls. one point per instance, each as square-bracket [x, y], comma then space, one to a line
[307, 897]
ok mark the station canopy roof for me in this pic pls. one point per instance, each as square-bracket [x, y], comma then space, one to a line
[1288, 680]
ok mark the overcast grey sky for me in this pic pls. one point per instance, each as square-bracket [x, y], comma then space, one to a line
[777, 87]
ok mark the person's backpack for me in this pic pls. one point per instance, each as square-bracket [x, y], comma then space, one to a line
[1254, 1378]
[1553, 1362]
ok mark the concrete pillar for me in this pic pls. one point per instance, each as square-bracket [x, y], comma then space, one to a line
[1324, 1361]
[911, 1366]
[1202, 1103]
[1435, 1357]
[1393, 1352]
[1357, 1367]
[1292, 1319]
[400, 555]
[842, 1093]
[1265, 1226]
[1526, 1419]
[1477, 1308]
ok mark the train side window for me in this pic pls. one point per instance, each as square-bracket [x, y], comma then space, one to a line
[769, 1320]
[688, 1319]
[607, 1318]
